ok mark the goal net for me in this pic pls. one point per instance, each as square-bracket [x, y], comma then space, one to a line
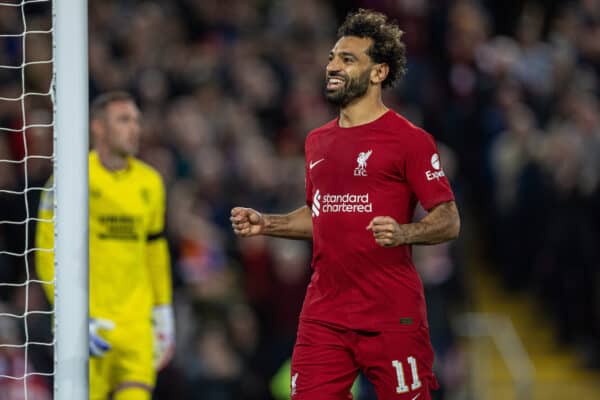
[30, 143]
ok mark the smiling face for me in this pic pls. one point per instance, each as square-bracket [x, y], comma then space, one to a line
[348, 73]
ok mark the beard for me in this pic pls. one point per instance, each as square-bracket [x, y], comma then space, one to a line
[354, 87]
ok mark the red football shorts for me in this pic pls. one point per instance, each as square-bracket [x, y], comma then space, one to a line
[326, 361]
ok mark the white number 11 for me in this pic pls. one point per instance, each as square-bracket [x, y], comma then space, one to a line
[416, 383]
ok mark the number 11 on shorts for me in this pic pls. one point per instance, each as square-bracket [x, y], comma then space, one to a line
[416, 383]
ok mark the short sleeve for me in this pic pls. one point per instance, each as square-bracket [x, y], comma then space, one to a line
[425, 173]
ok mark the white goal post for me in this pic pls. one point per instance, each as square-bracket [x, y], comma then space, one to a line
[71, 198]
[43, 66]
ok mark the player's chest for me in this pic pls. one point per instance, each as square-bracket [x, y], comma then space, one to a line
[340, 161]
[109, 195]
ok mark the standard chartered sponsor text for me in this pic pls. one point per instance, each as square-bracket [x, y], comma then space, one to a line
[346, 203]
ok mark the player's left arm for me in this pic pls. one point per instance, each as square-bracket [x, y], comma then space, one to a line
[159, 265]
[422, 168]
[441, 224]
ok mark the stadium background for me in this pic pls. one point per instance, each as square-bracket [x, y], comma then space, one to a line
[229, 90]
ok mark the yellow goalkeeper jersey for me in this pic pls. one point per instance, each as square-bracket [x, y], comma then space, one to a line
[129, 269]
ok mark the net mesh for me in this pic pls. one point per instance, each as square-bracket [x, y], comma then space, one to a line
[26, 159]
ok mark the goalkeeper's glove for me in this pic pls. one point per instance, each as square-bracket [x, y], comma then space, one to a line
[98, 345]
[164, 335]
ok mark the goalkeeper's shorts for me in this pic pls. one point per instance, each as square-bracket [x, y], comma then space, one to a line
[129, 362]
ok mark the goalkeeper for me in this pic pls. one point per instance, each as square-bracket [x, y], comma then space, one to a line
[131, 318]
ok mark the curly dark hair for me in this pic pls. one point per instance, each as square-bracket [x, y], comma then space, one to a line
[387, 45]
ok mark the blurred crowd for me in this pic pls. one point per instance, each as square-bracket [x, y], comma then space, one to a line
[229, 89]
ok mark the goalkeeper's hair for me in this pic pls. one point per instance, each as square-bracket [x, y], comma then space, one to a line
[387, 47]
[100, 103]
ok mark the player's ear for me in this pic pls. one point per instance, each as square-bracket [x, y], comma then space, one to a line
[379, 72]
[96, 128]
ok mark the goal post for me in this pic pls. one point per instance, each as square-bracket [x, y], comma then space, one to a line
[71, 198]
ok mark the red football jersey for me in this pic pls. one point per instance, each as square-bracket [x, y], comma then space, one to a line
[382, 168]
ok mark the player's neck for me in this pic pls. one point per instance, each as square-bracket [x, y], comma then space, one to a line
[111, 161]
[362, 111]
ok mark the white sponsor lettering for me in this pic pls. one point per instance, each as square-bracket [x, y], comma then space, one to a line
[340, 203]
[438, 172]
[346, 198]
[434, 175]
[348, 208]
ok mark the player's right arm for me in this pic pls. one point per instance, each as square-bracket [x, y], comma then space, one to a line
[297, 224]
[44, 266]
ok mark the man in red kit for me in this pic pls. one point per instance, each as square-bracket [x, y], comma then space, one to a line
[365, 171]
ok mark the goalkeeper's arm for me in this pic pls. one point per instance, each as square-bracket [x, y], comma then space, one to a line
[162, 313]
[44, 265]
[160, 274]
[44, 241]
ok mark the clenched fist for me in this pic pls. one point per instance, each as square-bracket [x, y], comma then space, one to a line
[387, 232]
[246, 221]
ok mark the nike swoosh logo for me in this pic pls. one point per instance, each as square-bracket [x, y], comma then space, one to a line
[415, 398]
[314, 164]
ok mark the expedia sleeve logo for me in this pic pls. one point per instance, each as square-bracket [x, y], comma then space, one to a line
[437, 172]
